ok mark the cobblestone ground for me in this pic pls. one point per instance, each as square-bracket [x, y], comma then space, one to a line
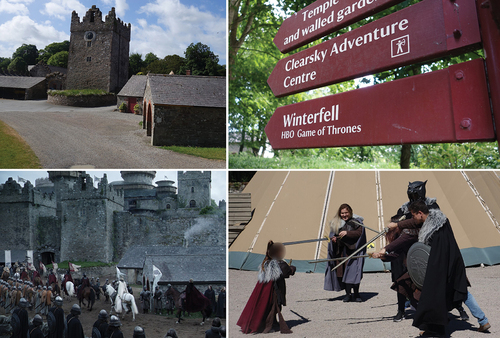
[64, 137]
[313, 312]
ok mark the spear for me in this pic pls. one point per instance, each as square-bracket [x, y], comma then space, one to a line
[338, 258]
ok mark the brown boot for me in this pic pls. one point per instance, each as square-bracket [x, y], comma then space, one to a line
[484, 328]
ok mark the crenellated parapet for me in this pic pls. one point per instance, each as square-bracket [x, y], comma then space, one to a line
[93, 21]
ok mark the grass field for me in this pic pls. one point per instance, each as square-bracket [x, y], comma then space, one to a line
[65, 265]
[252, 162]
[14, 151]
[210, 153]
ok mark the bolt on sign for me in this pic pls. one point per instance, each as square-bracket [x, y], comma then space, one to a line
[451, 105]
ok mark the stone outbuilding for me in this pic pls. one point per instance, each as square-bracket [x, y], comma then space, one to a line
[23, 87]
[185, 110]
[205, 265]
[133, 92]
[56, 76]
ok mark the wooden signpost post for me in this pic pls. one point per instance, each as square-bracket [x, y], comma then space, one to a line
[450, 105]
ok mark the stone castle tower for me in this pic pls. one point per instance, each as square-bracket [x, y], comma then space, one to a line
[99, 52]
[195, 188]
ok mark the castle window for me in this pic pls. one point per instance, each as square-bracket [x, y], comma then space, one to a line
[168, 206]
[132, 204]
[92, 16]
[192, 189]
[192, 204]
[89, 43]
[89, 58]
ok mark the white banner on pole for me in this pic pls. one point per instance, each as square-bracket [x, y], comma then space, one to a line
[7, 259]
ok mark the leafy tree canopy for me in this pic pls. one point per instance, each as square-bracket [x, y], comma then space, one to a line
[29, 53]
[59, 59]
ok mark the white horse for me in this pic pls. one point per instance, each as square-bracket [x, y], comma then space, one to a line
[123, 300]
[110, 291]
[70, 288]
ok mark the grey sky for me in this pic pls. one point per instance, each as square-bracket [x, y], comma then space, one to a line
[218, 178]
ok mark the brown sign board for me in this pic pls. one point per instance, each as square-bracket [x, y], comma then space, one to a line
[324, 17]
[450, 105]
[425, 31]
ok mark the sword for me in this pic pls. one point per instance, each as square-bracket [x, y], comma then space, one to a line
[380, 234]
[307, 241]
[337, 259]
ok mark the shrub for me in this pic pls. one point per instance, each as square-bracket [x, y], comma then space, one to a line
[123, 106]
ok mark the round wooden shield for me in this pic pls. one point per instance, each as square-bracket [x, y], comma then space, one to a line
[416, 261]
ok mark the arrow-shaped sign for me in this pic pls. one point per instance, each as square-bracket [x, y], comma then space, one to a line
[424, 31]
[324, 17]
[450, 105]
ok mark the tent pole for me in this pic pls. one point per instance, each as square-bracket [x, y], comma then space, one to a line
[326, 206]
[250, 249]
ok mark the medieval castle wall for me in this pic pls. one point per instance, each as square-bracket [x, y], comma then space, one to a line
[70, 218]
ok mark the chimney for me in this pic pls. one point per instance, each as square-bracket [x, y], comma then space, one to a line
[188, 72]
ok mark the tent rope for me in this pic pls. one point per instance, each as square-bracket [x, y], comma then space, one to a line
[481, 201]
[250, 249]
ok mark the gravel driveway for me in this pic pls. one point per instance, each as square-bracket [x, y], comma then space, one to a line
[312, 312]
[65, 137]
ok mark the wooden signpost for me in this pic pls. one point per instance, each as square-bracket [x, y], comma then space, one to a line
[451, 105]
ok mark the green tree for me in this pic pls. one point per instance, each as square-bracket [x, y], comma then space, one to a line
[29, 53]
[174, 63]
[18, 65]
[150, 58]
[135, 64]
[59, 59]
[45, 54]
[200, 60]
[4, 63]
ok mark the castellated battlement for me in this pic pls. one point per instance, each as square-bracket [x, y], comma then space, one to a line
[194, 175]
[12, 192]
[84, 188]
[92, 21]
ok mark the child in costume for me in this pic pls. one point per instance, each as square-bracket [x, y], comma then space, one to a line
[269, 295]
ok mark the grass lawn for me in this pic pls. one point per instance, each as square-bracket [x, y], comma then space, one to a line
[252, 162]
[78, 92]
[210, 153]
[14, 151]
[65, 265]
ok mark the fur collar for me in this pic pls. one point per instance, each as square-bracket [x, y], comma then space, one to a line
[271, 271]
[428, 201]
[433, 223]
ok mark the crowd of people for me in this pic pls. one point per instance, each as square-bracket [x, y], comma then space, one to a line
[419, 221]
[21, 292]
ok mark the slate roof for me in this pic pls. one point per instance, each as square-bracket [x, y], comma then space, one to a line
[188, 90]
[22, 82]
[178, 264]
[135, 86]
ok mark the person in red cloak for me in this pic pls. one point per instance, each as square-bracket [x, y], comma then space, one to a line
[67, 278]
[269, 295]
[195, 300]
[52, 278]
[24, 274]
